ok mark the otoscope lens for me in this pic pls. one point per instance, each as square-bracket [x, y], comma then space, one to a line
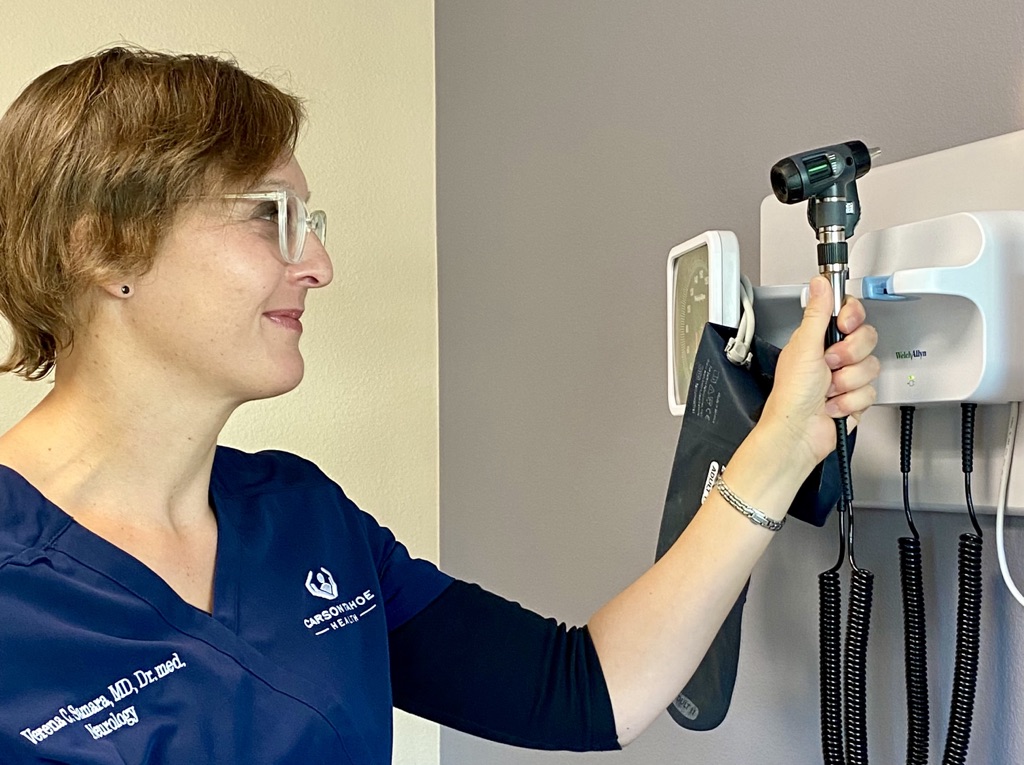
[786, 183]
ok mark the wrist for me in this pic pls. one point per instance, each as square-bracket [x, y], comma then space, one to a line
[790, 441]
[768, 468]
[785, 447]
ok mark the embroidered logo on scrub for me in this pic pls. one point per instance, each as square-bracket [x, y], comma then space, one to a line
[340, 614]
[324, 587]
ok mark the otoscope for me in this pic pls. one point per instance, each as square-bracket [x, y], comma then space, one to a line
[826, 179]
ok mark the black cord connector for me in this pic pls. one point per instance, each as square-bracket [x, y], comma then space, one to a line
[906, 441]
[968, 411]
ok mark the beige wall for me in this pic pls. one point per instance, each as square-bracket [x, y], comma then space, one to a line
[367, 410]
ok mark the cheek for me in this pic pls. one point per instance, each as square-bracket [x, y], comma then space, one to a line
[216, 310]
[238, 278]
[216, 283]
[246, 268]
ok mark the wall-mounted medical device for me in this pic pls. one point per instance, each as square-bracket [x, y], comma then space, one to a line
[952, 253]
[949, 331]
[703, 280]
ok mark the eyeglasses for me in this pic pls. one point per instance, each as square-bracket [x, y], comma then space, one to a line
[294, 221]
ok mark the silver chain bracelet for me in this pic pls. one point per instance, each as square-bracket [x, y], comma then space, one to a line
[754, 515]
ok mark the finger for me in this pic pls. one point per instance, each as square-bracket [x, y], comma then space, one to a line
[855, 419]
[845, 404]
[852, 315]
[810, 334]
[854, 348]
[854, 376]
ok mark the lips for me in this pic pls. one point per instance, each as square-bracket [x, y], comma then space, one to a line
[287, 318]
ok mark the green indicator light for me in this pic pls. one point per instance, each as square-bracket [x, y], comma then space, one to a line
[818, 168]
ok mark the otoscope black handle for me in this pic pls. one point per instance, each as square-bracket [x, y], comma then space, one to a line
[832, 334]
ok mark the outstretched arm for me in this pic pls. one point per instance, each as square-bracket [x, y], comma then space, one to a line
[652, 636]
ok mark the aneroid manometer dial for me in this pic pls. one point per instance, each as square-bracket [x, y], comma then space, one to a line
[703, 286]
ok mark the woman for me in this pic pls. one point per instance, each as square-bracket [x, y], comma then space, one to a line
[169, 600]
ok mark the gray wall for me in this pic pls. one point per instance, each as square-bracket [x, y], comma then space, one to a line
[577, 142]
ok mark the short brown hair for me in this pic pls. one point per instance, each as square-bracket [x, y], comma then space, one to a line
[96, 158]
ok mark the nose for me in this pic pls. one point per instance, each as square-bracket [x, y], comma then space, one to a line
[315, 269]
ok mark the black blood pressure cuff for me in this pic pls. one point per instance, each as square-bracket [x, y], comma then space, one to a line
[723, 404]
[484, 665]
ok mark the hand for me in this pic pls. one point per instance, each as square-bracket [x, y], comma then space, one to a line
[814, 385]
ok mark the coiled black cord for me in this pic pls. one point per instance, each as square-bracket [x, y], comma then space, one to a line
[830, 660]
[968, 614]
[968, 643]
[858, 621]
[915, 649]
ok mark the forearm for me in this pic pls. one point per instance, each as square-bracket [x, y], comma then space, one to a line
[487, 666]
[651, 637]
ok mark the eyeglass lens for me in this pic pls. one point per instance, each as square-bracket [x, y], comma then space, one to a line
[297, 227]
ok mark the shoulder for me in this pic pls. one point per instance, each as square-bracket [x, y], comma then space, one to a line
[240, 473]
[280, 485]
[28, 521]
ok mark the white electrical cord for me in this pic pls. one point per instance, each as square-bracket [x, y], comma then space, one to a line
[737, 350]
[1004, 490]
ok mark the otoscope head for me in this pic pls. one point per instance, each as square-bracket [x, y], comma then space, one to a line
[802, 176]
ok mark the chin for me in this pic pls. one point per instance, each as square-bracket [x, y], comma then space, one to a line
[277, 384]
[291, 383]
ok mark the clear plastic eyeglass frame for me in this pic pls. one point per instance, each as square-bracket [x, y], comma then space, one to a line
[294, 221]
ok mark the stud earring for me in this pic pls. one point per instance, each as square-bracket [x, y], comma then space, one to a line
[126, 290]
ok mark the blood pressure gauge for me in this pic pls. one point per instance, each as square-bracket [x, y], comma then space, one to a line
[703, 285]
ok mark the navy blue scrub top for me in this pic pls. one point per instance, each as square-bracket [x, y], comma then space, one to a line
[102, 662]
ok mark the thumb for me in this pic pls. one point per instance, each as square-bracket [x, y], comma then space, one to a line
[809, 337]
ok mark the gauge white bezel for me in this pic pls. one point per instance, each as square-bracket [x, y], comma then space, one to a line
[723, 293]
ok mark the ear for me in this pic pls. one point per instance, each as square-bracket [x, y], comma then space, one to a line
[119, 289]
